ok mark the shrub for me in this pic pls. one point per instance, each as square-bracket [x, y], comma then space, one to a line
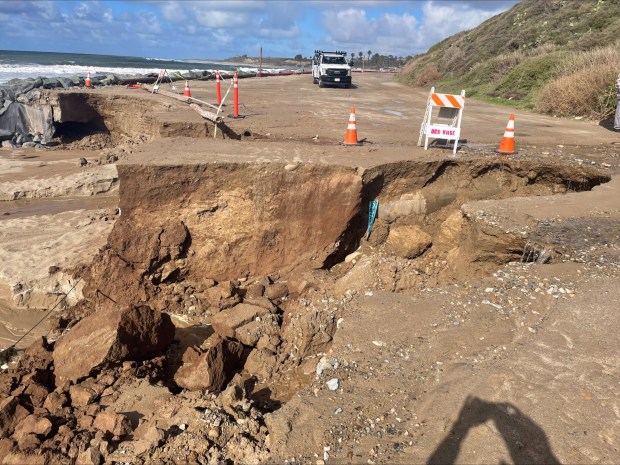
[589, 92]
[426, 76]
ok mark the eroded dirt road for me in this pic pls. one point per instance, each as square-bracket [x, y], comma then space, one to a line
[494, 342]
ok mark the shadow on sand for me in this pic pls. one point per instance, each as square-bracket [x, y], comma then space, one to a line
[526, 441]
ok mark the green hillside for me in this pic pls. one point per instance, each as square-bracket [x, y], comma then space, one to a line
[554, 56]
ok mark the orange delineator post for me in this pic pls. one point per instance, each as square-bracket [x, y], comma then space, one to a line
[187, 92]
[236, 95]
[507, 144]
[350, 137]
[218, 89]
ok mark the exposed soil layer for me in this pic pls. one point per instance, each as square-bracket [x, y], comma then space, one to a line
[241, 311]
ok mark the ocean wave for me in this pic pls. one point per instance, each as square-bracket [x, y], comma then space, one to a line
[24, 71]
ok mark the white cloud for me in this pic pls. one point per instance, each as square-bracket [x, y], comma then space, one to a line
[403, 34]
[221, 28]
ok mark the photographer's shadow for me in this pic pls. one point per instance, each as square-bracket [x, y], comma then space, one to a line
[526, 441]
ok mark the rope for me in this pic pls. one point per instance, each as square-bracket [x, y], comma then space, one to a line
[12, 346]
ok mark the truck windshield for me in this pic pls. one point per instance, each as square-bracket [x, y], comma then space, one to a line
[339, 60]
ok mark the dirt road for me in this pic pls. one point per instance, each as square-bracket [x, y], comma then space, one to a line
[495, 342]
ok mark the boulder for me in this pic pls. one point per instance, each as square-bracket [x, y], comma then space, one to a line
[33, 424]
[110, 337]
[226, 322]
[408, 241]
[212, 369]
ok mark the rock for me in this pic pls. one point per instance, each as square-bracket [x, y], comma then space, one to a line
[33, 424]
[309, 332]
[55, 402]
[6, 446]
[226, 322]
[261, 302]
[250, 333]
[81, 396]
[333, 384]
[260, 363]
[11, 413]
[325, 364]
[269, 343]
[111, 336]
[113, 423]
[6, 144]
[51, 142]
[37, 393]
[212, 369]
[255, 290]
[408, 241]
[147, 437]
[21, 458]
[276, 291]
[83, 162]
[449, 232]
[91, 456]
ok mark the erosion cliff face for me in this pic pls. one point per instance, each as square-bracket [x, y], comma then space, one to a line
[241, 219]
[199, 223]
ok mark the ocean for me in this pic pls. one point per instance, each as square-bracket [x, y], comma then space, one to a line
[19, 64]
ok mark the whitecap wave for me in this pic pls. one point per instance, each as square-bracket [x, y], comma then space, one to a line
[24, 71]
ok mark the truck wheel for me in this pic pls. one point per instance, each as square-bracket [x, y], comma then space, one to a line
[321, 83]
[314, 80]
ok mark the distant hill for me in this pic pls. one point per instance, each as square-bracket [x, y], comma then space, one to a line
[554, 56]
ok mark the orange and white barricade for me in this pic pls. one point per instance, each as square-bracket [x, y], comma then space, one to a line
[450, 109]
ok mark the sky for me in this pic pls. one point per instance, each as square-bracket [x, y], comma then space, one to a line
[222, 29]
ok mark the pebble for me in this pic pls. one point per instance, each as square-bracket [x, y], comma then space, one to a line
[333, 384]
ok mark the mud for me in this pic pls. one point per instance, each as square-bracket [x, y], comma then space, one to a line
[451, 330]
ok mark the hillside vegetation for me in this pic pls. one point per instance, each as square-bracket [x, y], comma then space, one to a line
[554, 56]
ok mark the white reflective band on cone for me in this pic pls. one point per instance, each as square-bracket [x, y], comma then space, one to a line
[351, 126]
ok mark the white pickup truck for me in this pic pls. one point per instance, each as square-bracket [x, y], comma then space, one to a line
[331, 68]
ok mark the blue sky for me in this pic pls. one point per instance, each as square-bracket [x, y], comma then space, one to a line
[225, 28]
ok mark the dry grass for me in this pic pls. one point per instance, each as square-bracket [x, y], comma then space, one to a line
[585, 87]
[427, 76]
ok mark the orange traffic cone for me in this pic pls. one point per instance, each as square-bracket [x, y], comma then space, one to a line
[88, 82]
[507, 145]
[350, 137]
[187, 92]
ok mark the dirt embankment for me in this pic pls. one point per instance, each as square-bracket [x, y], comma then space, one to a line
[240, 313]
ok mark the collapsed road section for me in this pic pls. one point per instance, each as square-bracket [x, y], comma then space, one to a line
[224, 280]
